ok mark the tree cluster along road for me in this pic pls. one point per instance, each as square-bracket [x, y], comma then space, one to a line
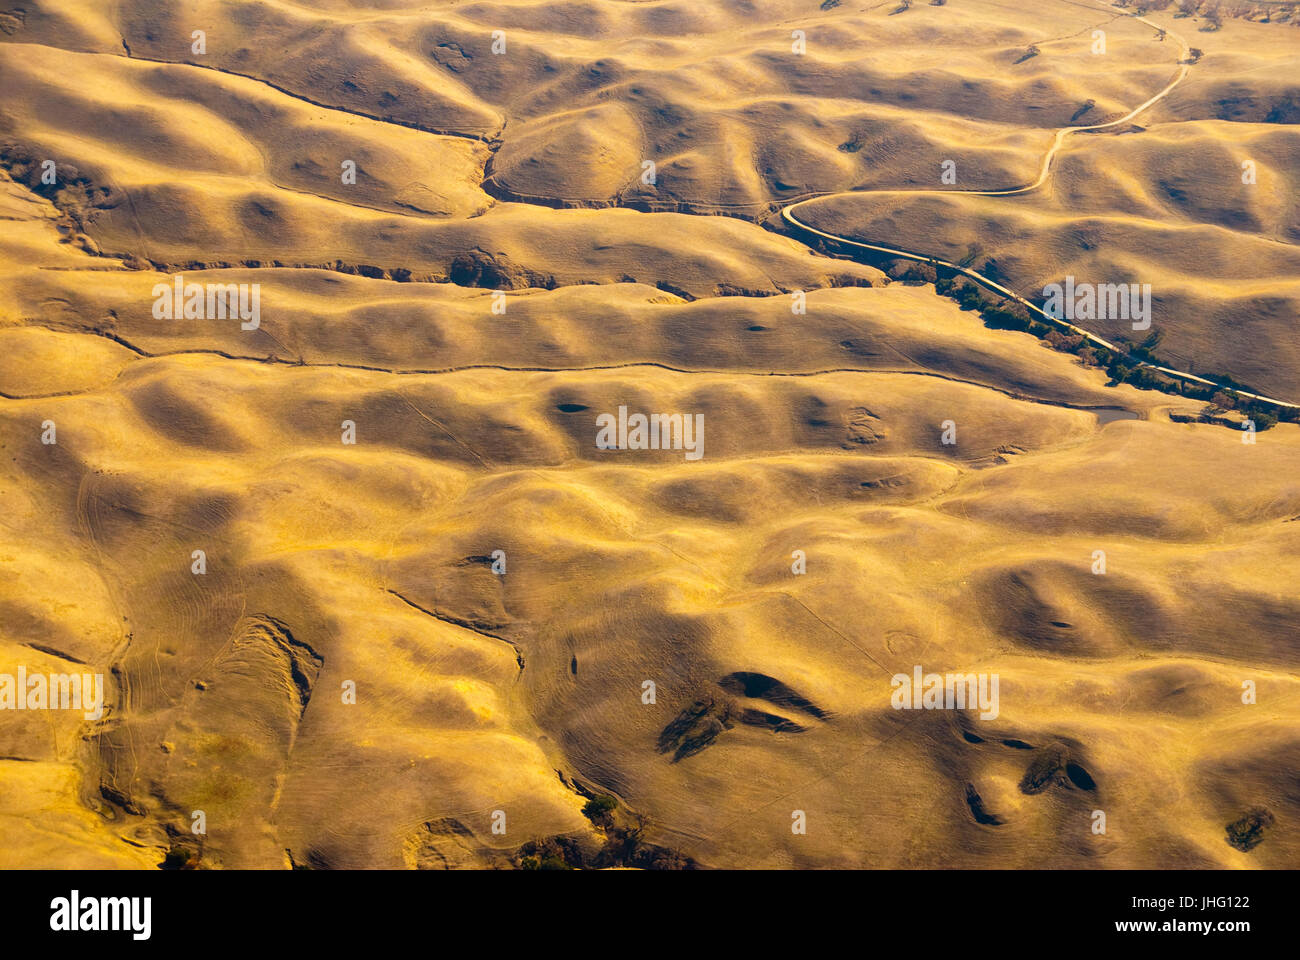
[1184, 65]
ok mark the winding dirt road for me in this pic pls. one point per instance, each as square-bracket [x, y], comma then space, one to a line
[1184, 65]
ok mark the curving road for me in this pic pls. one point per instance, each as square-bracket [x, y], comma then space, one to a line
[787, 212]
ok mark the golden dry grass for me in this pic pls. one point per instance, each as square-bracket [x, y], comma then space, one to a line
[370, 563]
